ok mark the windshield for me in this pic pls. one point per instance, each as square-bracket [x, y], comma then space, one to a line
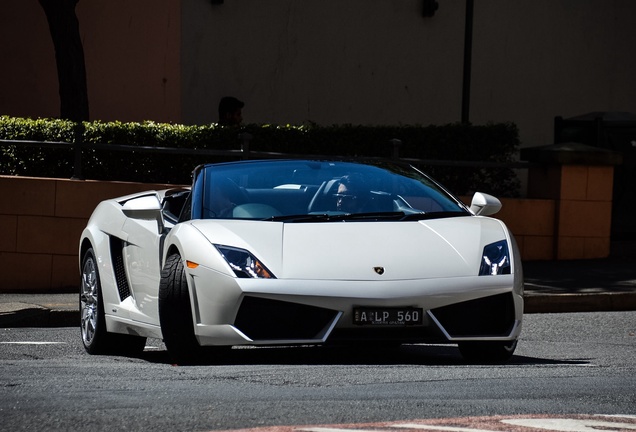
[299, 191]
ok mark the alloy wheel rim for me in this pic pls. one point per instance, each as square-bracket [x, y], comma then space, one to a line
[89, 301]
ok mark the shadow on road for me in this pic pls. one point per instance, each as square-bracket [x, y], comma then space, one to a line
[425, 355]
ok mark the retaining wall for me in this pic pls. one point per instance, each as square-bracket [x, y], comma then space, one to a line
[41, 221]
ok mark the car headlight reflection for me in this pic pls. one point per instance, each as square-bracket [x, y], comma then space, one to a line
[244, 264]
[495, 259]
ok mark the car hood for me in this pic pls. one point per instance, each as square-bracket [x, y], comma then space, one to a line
[449, 247]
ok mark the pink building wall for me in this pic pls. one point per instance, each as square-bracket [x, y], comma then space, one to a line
[132, 54]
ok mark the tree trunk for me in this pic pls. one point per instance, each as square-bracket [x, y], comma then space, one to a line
[69, 56]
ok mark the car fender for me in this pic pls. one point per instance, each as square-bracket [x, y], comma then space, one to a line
[195, 248]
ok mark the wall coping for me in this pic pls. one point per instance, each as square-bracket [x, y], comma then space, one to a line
[571, 153]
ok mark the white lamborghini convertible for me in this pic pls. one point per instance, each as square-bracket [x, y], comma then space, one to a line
[300, 252]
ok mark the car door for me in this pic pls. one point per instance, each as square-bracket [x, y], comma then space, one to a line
[142, 257]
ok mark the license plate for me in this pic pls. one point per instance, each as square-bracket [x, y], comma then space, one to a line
[387, 316]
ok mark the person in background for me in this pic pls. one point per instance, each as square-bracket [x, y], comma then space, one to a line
[230, 111]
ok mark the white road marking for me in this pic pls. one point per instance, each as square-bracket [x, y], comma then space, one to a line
[550, 424]
[439, 428]
[31, 343]
[626, 416]
[575, 423]
[571, 425]
[323, 429]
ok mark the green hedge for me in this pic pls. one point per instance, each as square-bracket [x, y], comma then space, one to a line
[453, 142]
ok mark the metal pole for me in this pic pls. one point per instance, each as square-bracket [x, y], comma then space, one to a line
[468, 47]
[77, 148]
[395, 146]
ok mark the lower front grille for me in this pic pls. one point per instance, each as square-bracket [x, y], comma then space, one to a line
[265, 319]
[487, 316]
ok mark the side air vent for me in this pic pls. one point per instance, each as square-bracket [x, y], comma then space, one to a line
[116, 253]
[487, 316]
[264, 319]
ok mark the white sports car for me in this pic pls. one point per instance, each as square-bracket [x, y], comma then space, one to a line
[284, 252]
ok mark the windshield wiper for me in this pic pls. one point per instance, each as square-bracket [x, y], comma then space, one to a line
[368, 216]
[375, 216]
[300, 218]
[326, 217]
[433, 215]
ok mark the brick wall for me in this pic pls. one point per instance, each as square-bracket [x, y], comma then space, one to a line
[41, 221]
[533, 223]
[580, 180]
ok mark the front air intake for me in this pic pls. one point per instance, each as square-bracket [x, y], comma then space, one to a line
[265, 319]
[487, 316]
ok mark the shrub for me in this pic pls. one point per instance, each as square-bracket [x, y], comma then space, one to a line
[102, 160]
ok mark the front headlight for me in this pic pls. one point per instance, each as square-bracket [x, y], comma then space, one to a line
[495, 259]
[244, 264]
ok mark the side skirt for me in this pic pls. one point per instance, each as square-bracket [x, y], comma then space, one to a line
[116, 324]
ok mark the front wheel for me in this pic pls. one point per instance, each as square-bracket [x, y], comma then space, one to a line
[175, 312]
[487, 351]
[95, 337]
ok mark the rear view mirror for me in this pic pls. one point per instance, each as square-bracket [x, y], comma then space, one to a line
[146, 207]
[484, 205]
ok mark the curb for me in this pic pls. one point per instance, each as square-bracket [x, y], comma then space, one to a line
[560, 303]
[27, 315]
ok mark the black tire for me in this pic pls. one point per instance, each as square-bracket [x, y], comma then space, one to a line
[95, 336]
[175, 313]
[490, 352]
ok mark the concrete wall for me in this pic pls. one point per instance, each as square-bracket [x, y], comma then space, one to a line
[326, 61]
[331, 61]
[132, 56]
[382, 62]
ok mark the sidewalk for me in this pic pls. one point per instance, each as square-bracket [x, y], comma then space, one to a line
[39, 310]
[550, 287]
[607, 284]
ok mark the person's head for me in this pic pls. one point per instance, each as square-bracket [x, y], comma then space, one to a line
[351, 194]
[230, 111]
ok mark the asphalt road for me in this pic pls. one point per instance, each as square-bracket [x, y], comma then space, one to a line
[581, 363]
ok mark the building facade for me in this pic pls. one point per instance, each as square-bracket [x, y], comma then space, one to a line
[331, 61]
